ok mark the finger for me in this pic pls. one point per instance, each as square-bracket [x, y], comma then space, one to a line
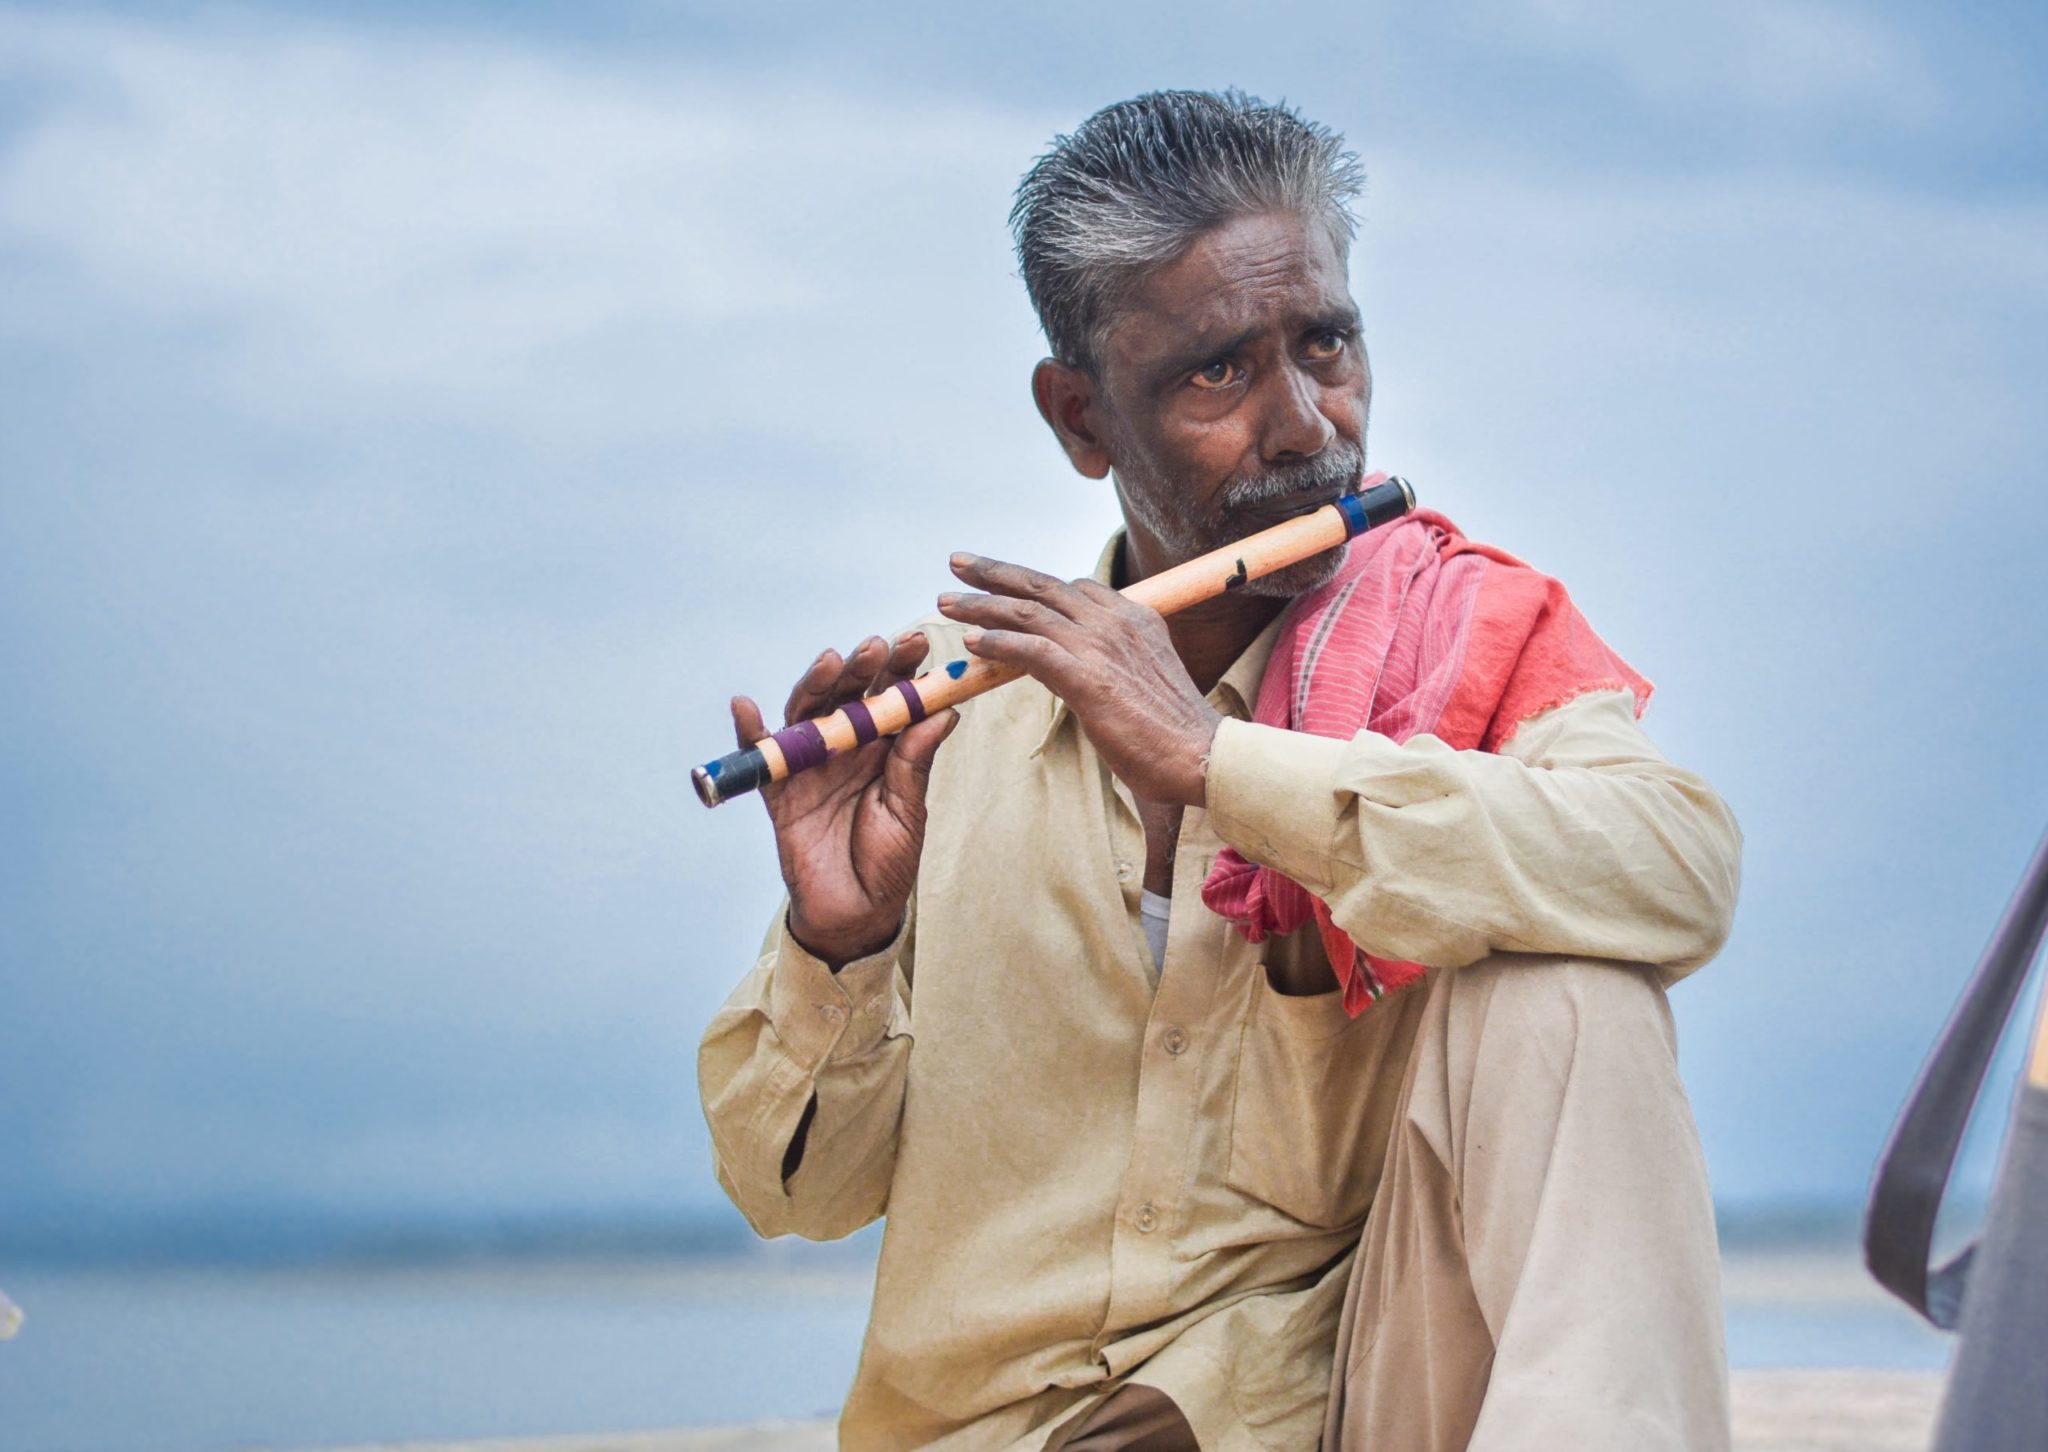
[747, 727]
[908, 770]
[999, 577]
[1099, 594]
[905, 656]
[1043, 659]
[1116, 604]
[812, 689]
[1002, 612]
[860, 669]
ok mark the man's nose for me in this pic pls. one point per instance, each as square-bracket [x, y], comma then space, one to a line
[1295, 427]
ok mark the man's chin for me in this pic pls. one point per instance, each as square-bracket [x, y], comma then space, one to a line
[1298, 578]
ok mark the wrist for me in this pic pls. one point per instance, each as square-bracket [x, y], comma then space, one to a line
[1201, 740]
[839, 948]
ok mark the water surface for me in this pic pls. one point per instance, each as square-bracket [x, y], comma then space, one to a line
[195, 1360]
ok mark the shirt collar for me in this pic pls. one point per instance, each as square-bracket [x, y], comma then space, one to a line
[1234, 695]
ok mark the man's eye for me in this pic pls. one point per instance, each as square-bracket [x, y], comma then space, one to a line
[1216, 375]
[1325, 346]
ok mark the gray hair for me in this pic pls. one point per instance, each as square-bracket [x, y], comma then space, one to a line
[1139, 181]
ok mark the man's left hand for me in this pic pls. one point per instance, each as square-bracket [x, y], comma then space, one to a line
[1110, 659]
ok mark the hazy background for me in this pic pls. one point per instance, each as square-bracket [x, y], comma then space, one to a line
[416, 419]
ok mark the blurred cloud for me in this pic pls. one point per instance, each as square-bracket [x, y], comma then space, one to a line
[1788, 59]
[414, 425]
[380, 228]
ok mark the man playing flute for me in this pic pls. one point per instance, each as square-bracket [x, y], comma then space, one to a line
[1252, 1025]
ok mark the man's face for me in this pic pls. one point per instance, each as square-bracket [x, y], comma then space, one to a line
[1237, 391]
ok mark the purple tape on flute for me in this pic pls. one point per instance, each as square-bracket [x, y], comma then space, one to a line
[802, 746]
[863, 721]
[912, 699]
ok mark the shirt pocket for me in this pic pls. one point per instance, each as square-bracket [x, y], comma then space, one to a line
[1316, 1094]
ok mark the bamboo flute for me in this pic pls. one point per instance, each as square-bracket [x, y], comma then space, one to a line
[807, 743]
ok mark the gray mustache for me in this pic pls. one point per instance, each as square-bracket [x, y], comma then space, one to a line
[1330, 469]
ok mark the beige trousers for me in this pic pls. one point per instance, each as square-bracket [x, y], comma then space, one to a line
[1539, 1270]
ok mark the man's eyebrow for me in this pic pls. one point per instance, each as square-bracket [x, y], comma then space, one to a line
[1339, 319]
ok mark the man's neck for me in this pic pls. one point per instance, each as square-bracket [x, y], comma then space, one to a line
[1209, 636]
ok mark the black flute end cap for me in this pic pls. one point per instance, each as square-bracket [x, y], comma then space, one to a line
[730, 776]
[1388, 501]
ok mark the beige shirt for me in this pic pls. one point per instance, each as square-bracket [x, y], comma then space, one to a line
[1093, 1171]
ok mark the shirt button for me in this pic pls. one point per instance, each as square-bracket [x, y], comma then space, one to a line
[1147, 1219]
[1176, 1041]
[831, 1012]
[1123, 872]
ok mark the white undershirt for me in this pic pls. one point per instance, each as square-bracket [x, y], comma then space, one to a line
[1155, 908]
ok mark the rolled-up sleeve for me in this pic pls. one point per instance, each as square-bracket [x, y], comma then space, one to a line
[1577, 838]
[799, 1050]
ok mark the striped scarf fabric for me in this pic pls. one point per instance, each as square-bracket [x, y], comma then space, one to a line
[1421, 632]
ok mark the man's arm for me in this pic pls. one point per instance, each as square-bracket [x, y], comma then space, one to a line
[802, 1074]
[801, 1071]
[1578, 838]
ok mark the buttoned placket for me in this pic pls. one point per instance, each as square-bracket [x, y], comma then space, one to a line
[1170, 1070]
[1178, 1028]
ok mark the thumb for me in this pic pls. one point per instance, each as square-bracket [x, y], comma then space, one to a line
[909, 767]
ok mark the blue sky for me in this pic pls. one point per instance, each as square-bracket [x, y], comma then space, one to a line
[416, 420]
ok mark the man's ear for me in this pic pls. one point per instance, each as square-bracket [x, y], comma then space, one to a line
[1070, 402]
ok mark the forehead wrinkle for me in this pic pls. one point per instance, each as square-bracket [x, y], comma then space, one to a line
[1234, 285]
[1247, 291]
[1226, 322]
[1231, 303]
[1259, 305]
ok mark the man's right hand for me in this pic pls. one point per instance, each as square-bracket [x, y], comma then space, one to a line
[850, 830]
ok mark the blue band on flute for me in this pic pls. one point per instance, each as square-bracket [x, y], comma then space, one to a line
[911, 699]
[803, 746]
[1355, 521]
[863, 721]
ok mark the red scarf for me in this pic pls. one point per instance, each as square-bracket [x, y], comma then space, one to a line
[1422, 632]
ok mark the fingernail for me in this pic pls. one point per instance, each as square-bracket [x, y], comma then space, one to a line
[948, 601]
[962, 560]
[972, 639]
